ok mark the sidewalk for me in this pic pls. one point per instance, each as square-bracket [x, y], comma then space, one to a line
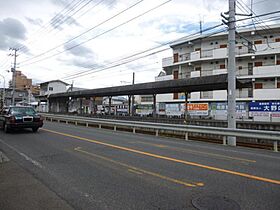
[20, 190]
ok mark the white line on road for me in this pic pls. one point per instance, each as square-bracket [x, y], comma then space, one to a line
[26, 157]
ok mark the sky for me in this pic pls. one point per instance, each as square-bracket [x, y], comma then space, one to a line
[91, 43]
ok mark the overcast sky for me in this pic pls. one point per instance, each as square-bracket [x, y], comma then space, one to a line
[60, 38]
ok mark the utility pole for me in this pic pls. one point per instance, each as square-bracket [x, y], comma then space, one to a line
[132, 102]
[231, 71]
[13, 70]
[231, 111]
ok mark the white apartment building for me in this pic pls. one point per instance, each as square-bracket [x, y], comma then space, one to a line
[257, 59]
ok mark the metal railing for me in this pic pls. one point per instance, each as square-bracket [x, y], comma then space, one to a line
[225, 132]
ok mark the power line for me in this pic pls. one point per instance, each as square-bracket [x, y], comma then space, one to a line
[154, 48]
[107, 31]
[72, 39]
[124, 61]
[85, 73]
[42, 28]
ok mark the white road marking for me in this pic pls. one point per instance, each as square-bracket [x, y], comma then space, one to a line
[26, 157]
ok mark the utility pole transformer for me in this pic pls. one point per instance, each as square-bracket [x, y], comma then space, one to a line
[231, 71]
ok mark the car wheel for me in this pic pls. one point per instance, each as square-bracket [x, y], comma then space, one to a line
[35, 130]
[6, 128]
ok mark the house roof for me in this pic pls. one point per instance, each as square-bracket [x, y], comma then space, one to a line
[43, 83]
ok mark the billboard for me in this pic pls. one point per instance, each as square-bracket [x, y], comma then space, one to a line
[264, 106]
[200, 109]
[264, 109]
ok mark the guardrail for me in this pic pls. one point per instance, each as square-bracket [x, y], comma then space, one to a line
[225, 132]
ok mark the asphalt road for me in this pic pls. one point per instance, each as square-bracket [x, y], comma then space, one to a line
[92, 168]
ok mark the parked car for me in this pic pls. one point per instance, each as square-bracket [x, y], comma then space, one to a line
[17, 117]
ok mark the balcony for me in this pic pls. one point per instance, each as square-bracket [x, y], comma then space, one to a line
[163, 78]
[268, 48]
[267, 94]
[220, 53]
[195, 55]
[195, 74]
[219, 71]
[167, 62]
[273, 71]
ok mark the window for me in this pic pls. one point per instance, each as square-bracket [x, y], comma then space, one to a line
[175, 57]
[258, 86]
[277, 40]
[258, 63]
[239, 47]
[239, 67]
[278, 84]
[175, 96]
[197, 68]
[278, 62]
[197, 49]
[222, 66]
[258, 42]
[223, 46]
[50, 88]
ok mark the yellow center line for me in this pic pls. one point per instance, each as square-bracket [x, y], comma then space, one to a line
[139, 170]
[196, 152]
[151, 144]
[170, 159]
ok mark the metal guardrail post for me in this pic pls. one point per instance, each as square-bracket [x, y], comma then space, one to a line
[275, 146]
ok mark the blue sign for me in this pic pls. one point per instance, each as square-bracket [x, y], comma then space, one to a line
[264, 106]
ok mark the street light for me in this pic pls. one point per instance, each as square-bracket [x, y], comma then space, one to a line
[4, 86]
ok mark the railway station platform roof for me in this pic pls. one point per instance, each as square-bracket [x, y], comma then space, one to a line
[205, 83]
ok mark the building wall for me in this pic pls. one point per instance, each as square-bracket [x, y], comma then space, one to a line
[22, 82]
[257, 58]
[53, 87]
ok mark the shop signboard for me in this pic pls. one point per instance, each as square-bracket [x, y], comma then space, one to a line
[264, 109]
[198, 109]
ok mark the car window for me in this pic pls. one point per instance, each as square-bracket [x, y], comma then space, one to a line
[23, 110]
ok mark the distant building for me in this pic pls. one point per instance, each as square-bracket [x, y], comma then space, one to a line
[22, 97]
[53, 86]
[22, 82]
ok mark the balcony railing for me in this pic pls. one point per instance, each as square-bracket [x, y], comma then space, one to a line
[273, 70]
[267, 94]
[273, 47]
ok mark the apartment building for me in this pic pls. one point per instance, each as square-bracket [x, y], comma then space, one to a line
[21, 81]
[257, 59]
